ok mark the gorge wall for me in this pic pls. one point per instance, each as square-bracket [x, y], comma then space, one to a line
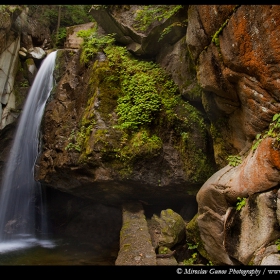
[217, 144]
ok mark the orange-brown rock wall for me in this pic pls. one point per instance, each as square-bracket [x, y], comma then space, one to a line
[241, 67]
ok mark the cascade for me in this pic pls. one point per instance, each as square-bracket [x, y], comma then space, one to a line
[22, 213]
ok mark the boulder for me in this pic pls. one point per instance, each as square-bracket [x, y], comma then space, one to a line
[36, 53]
[258, 172]
[258, 216]
[30, 70]
[167, 230]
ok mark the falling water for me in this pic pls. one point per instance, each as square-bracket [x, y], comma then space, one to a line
[22, 221]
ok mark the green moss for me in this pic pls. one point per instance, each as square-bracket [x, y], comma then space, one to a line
[93, 43]
[148, 14]
[191, 141]
[138, 145]
[126, 246]
[222, 148]
[234, 160]
[138, 102]
[193, 236]
[215, 37]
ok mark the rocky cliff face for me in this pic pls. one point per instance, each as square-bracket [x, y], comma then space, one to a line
[243, 89]
[218, 142]
[20, 33]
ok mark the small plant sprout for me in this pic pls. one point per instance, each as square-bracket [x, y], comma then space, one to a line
[240, 203]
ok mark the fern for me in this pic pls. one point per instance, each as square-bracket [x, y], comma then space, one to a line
[234, 160]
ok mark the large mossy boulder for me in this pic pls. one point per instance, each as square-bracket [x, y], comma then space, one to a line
[167, 230]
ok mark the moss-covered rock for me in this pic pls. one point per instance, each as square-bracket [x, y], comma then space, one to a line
[170, 229]
[122, 119]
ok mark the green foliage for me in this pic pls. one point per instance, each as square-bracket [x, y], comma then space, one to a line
[93, 43]
[273, 131]
[146, 89]
[277, 243]
[240, 203]
[77, 139]
[234, 160]
[143, 101]
[3, 8]
[140, 103]
[138, 144]
[192, 246]
[4, 14]
[8, 9]
[194, 256]
[191, 260]
[215, 37]
[98, 7]
[169, 28]
[163, 250]
[70, 15]
[151, 13]
[24, 83]
[257, 142]
[72, 145]
[61, 37]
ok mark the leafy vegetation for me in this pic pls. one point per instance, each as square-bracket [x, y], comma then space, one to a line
[146, 89]
[192, 246]
[240, 203]
[234, 160]
[70, 14]
[169, 28]
[93, 43]
[215, 37]
[61, 36]
[67, 15]
[163, 250]
[194, 256]
[191, 260]
[150, 13]
[76, 141]
[147, 14]
[24, 83]
[273, 131]
[277, 243]
[139, 101]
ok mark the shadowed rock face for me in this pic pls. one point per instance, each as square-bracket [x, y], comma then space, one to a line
[258, 172]
[243, 83]
[94, 172]
[244, 90]
[122, 22]
[83, 219]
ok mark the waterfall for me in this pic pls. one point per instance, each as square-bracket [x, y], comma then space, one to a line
[21, 205]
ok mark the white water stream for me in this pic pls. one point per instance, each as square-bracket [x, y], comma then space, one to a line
[22, 215]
